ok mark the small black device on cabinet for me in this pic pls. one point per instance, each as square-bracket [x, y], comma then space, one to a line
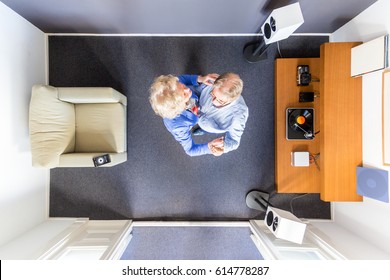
[306, 96]
[303, 75]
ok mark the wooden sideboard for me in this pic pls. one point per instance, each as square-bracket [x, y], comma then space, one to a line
[338, 118]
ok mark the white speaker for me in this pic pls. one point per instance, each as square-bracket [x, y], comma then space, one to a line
[284, 225]
[282, 22]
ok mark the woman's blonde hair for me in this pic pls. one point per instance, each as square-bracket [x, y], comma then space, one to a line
[164, 97]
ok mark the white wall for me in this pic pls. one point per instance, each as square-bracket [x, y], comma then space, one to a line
[22, 188]
[369, 220]
[33, 243]
[348, 243]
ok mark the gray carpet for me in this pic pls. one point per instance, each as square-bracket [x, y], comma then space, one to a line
[159, 181]
[191, 243]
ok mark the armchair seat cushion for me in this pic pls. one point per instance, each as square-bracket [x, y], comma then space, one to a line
[100, 127]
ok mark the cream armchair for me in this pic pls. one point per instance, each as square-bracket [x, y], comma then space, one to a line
[70, 126]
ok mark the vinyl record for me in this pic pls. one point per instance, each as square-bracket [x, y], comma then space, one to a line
[373, 183]
[300, 118]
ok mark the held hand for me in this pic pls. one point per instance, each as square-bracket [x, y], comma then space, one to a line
[208, 80]
[216, 146]
[218, 142]
[215, 150]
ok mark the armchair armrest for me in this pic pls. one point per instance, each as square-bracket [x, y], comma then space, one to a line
[91, 95]
[85, 159]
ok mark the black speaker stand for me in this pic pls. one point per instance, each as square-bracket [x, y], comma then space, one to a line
[257, 200]
[255, 51]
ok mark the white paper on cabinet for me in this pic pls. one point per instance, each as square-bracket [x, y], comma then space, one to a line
[370, 56]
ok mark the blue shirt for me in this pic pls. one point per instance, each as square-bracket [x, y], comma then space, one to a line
[180, 126]
[230, 119]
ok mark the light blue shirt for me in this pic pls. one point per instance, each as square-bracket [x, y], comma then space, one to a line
[230, 119]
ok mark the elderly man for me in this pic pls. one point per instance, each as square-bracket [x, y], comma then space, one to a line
[222, 109]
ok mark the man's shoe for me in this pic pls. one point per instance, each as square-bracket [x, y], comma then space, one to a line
[197, 131]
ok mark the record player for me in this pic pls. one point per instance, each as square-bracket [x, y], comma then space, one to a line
[300, 123]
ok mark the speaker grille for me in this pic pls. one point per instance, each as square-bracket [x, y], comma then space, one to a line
[267, 31]
[270, 218]
[273, 24]
[275, 223]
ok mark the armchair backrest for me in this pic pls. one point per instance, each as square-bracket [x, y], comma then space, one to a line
[52, 126]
